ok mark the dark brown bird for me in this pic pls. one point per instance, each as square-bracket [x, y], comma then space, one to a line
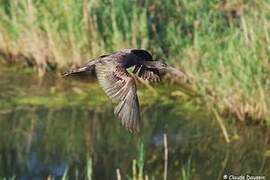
[119, 85]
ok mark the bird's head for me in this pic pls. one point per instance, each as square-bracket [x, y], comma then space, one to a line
[160, 64]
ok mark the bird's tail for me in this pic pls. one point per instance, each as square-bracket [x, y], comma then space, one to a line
[74, 71]
[88, 67]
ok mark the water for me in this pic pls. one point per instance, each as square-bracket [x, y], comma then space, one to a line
[54, 126]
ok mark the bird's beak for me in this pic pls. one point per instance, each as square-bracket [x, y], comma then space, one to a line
[175, 71]
[171, 69]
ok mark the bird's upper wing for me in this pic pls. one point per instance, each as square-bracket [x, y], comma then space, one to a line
[149, 74]
[121, 88]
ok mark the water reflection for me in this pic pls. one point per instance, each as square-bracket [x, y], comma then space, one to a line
[39, 141]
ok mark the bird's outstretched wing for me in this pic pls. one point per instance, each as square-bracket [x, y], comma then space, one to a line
[121, 88]
[149, 74]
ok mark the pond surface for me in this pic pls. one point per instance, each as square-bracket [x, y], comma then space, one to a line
[54, 126]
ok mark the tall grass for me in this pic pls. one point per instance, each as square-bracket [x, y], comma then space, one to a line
[138, 171]
[224, 45]
[52, 34]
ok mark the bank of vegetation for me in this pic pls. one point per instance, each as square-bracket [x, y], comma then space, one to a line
[223, 46]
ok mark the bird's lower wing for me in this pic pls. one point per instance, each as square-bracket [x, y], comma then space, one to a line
[121, 88]
[147, 73]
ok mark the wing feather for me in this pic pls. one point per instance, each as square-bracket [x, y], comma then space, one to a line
[147, 73]
[121, 88]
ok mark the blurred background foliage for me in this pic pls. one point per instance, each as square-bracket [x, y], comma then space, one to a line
[223, 45]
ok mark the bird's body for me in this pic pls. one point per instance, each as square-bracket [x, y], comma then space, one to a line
[119, 85]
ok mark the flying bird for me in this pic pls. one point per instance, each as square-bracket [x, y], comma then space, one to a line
[119, 85]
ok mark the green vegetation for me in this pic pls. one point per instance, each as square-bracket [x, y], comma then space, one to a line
[137, 171]
[223, 46]
[65, 136]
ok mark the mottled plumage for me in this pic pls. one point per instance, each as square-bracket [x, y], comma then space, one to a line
[119, 85]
